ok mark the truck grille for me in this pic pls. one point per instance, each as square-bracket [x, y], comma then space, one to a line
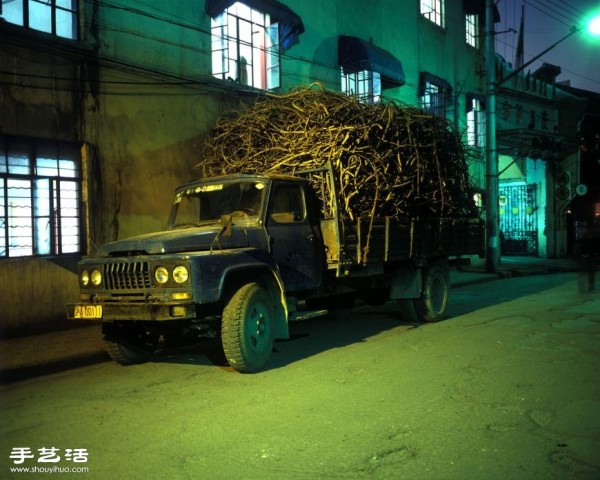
[127, 276]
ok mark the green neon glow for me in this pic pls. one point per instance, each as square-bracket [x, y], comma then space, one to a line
[594, 25]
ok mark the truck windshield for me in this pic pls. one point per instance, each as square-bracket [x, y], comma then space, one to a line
[207, 203]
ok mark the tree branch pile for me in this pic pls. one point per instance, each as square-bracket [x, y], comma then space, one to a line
[389, 160]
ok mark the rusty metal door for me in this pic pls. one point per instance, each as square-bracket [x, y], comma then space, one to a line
[518, 225]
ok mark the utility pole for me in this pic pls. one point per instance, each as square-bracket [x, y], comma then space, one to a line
[492, 251]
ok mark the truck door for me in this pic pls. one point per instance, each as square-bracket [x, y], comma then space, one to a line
[296, 243]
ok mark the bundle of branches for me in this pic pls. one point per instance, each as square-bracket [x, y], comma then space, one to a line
[388, 160]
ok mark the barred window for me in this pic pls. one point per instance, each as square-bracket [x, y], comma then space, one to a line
[245, 47]
[57, 17]
[472, 30]
[433, 10]
[364, 85]
[40, 199]
[434, 99]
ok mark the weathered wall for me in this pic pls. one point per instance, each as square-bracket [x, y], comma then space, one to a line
[41, 101]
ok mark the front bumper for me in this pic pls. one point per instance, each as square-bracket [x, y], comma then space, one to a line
[131, 311]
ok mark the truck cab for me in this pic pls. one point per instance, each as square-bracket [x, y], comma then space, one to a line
[236, 251]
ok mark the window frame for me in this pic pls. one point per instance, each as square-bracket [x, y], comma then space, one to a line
[472, 29]
[434, 11]
[434, 98]
[476, 122]
[51, 219]
[229, 47]
[56, 8]
[364, 85]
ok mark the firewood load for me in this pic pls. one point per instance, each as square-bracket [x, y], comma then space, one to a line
[389, 160]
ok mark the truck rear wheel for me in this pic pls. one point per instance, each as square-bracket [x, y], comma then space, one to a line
[128, 344]
[247, 329]
[431, 305]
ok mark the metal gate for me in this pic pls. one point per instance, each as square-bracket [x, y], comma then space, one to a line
[518, 226]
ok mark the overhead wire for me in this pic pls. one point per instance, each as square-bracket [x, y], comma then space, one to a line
[171, 18]
[558, 11]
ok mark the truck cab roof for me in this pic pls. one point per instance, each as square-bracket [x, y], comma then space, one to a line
[236, 177]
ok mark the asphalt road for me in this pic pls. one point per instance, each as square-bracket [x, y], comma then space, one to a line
[508, 387]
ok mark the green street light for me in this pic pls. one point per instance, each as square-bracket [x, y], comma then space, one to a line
[593, 25]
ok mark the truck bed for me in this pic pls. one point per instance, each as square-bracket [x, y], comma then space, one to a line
[367, 242]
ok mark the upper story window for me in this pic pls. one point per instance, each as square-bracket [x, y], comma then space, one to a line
[364, 85]
[245, 47]
[247, 37]
[40, 199]
[436, 94]
[472, 30]
[57, 17]
[433, 10]
[476, 121]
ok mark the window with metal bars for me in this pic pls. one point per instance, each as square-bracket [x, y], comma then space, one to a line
[40, 199]
[56, 17]
[364, 85]
[435, 99]
[245, 47]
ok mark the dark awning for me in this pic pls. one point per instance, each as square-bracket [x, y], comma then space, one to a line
[290, 24]
[355, 55]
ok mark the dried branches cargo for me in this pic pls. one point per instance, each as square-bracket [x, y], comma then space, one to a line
[389, 160]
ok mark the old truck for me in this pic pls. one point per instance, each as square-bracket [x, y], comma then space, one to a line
[245, 254]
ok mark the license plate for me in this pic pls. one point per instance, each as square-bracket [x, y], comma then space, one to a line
[88, 311]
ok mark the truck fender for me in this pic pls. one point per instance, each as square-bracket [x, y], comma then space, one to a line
[271, 281]
[406, 282]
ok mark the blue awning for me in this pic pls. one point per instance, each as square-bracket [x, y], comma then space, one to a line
[355, 55]
[290, 24]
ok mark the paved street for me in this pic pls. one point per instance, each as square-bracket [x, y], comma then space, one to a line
[507, 387]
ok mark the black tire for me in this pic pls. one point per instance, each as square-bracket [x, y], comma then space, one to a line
[128, 344]
[247, 330]
[431, 305]
[407, 311]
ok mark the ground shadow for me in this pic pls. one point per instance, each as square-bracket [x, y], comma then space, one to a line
[307, 338]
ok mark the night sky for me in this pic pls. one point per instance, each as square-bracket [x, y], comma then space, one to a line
[546, 22]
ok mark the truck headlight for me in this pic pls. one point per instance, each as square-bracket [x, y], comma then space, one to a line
[96, 277]
[85, 278]
[161, 275]
[180, 274]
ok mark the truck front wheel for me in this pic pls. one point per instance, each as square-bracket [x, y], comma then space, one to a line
[431, 305]
[128, 344]
[247, 329]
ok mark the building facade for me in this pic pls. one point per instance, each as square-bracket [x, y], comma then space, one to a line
[104, 105]
[537, 132]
